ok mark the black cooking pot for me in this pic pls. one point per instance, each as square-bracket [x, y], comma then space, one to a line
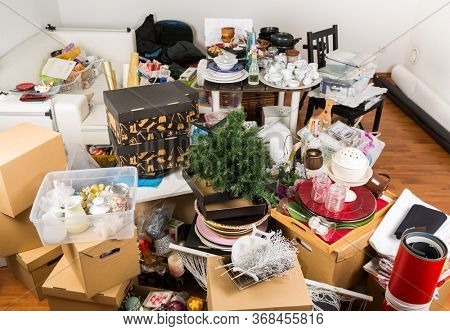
[266, 32]
[283, 39]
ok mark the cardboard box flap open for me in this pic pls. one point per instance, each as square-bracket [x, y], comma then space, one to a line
[36, 258]
[63, 283]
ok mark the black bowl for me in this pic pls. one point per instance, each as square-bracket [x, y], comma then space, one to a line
[268, 30]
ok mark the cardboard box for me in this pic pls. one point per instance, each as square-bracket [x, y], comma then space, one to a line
[65, 292]
[339, 264]
[153, 156]
[33, 267]
[27, 153]
[279, 293]
[17, 234]
[102, 265]
[139, 114]
[375, 290]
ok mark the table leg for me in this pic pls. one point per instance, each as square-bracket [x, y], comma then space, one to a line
[376, 121]
[295, 100]
[215, 96]
[281, 98]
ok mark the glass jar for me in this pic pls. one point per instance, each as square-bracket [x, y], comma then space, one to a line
[119, 197]
[335, 199]
[321, 185]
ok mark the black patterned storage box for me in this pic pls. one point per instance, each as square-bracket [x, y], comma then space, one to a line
[139, 114]
[154, 157]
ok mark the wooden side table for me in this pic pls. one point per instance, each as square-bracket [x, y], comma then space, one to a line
[244, 87]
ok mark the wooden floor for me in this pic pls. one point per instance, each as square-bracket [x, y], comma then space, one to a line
[411, 157]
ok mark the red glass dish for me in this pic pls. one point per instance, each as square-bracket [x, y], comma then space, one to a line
[362, 207]
[24, 87]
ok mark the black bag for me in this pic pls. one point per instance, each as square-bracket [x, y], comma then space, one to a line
[169, 32]
[182, 52]
[146, 38]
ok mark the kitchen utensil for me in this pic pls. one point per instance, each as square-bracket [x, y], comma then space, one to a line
[283, 39]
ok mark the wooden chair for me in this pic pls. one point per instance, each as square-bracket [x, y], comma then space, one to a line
[318, 46]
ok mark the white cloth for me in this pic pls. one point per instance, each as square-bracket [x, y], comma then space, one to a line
[279, 138]
[383, 239]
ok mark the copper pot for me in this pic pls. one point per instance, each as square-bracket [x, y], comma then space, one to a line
[227, 34]
[313, 159]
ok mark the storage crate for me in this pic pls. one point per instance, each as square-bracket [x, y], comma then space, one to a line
[112, 225]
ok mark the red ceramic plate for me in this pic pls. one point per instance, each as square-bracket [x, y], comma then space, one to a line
[24, 87]
[362, 207]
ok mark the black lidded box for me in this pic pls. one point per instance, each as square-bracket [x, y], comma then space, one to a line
[153, 157]
[148, 112]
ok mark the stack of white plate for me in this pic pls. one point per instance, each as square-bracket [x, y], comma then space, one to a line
[216, 75]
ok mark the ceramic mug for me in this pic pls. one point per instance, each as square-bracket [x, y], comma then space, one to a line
[378, 183]
[76, 220]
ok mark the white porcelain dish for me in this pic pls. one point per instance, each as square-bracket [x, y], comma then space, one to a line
[224, 81]
[349, 164]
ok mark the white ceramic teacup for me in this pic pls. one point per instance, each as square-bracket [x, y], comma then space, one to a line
[293, 83]
[290, 66]
[287, 74]
[280, 65]
[273, 69]
[276, 77]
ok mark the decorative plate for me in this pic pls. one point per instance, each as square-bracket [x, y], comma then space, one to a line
[362, 207]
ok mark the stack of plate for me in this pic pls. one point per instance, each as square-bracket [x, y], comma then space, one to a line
[355, 214]
[215, 75]
[222, 234]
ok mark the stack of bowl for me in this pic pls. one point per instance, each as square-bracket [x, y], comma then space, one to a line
[349, 164]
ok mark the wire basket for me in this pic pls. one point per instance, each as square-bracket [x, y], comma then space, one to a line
[71, 85]
[88, 74]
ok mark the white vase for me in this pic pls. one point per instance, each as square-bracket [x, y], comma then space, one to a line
[76, 220]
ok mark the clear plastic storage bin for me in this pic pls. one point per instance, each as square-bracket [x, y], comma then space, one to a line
[56, 211]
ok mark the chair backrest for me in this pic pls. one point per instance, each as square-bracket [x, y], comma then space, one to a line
[320, 42]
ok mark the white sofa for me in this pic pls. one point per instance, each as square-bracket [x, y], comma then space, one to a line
[70, 114]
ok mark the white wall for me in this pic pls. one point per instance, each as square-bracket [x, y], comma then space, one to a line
[14, 29]
[364, 25]
[431, 40]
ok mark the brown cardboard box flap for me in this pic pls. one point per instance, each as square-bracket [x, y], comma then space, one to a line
[27, 153]
[288, 292]
[36, 258]
[97, 249]
[63, 283]
[17, 234]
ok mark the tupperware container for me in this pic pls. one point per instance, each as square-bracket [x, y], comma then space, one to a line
[76, 228]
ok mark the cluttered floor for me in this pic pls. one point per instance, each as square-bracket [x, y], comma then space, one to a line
[411, 157]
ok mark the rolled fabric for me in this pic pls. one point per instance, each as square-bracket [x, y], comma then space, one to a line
[133, 78]
[416, 271]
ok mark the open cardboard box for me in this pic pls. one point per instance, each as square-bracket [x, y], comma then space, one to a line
[17, 234]
[102, 265]
[288, 292]
[65, 291]
[33, 267]
[27, 153]
[339, 264]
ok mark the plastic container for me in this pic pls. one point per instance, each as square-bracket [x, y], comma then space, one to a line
[112, 225]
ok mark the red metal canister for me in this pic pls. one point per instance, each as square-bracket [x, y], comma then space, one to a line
[417, 267]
